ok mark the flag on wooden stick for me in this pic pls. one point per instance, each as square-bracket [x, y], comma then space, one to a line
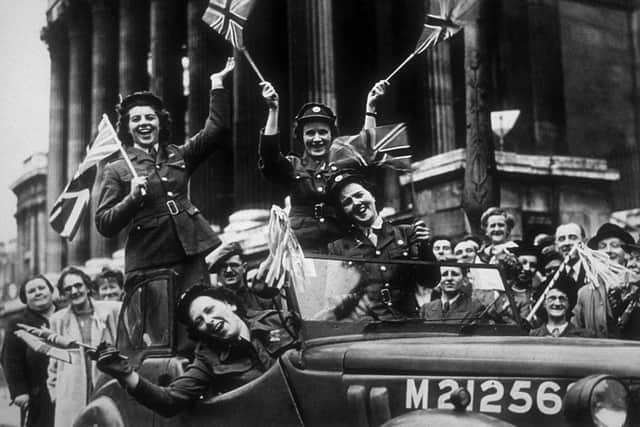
[67, 212]
[228, 17]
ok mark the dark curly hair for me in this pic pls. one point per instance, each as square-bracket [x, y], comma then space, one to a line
[142, 99]
[107, 275]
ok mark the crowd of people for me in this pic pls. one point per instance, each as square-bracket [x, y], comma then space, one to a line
[237, 324]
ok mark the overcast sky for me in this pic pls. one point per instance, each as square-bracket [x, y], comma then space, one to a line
[24, 103]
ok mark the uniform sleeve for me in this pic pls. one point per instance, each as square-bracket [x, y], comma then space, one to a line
[214, 134]
[273, 164]
[184, 390]
[116, 207]
[14, 363]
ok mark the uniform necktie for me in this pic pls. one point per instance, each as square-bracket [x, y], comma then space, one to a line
[445, 307]
[555, 332]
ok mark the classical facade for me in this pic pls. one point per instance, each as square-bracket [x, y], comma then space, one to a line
[571, 67]
[31, 219]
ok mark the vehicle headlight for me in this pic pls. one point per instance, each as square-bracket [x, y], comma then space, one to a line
[600, 399]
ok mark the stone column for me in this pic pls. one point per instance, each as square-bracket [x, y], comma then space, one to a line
[311, 52]
[440, 98]
[104, 86]
[547, 83]
[167, 25]
[211, 187]
[56, 38]
[78, 119]
[134, 46]
[481, 188]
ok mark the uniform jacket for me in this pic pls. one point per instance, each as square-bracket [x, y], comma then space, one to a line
[464, 308]
[26, 370]
[312, 215]
[68, 382]
[165, 226]
[386, 286]
[218, 367]
[570, 331]
[592, 312]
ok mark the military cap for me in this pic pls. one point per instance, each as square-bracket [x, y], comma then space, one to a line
[140, 98]
[216, 292]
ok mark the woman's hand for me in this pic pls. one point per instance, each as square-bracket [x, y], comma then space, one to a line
[22, 401]
[270, 95]
[378, 90]
[217, 78]
[138, 187]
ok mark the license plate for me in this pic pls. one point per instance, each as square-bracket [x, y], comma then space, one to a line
[504, 397]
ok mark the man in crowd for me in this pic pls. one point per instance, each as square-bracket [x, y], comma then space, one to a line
[228, 262]
[557, 309]
[233, 349]
[593, 310]
[110, 285]
[466, 250]
[87, 321]
[454, 305]
[442, 248]
[566, 237]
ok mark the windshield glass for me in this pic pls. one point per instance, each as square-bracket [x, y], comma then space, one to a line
[338, 292]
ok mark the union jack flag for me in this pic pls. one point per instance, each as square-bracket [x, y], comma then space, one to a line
[228, 18]
[384, 146]
[68, 211]
[451, 18]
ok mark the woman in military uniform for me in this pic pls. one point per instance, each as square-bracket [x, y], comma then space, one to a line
[165, 230]
[306, 178]
[383, 291]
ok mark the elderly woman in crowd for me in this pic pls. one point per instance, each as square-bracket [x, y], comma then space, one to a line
[306, 178]
[25, 369]
[497, 224]
[165, 229]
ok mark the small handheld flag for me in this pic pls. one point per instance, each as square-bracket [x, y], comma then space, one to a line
[229, 17]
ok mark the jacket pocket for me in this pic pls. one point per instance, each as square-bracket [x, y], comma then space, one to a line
[145, 224]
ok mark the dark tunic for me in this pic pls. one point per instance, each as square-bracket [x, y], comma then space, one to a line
[218, 368]
[312, 216]
[570, 331]
[165, 228]
[26, 370]
[386, 286]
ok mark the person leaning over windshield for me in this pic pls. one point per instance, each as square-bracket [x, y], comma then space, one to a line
[164, 229]
[306, 178]
[386, 286]
[232, 349]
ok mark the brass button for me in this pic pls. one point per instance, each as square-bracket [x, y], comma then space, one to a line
[378, 253]
[383, 268]
[170, 193]
[320, 189]
[164, 179]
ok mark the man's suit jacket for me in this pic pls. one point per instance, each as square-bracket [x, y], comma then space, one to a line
[464, 308]
[570, 331]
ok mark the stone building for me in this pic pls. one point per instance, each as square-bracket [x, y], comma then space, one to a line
[31, 218]
[571, 67]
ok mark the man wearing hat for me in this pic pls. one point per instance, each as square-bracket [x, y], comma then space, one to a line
[227, 261]
[232, 349]
[306, 178]
[371, 237]
[557, 309]
[593, 310]
[628, 298]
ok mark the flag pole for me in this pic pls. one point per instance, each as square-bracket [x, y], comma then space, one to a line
[253, 64]
[399, 67]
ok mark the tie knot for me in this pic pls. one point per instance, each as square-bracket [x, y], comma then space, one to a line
[446, 306]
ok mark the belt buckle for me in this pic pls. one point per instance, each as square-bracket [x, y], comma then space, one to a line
[173, 208]
[318, 210]
[385, 296]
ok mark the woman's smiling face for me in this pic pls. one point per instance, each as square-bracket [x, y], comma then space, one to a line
[144, 125]
[358, 204]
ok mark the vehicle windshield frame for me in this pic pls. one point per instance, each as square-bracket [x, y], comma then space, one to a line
[322, 329]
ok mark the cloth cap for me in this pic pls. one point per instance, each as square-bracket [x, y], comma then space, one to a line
[221, 254]
[525, 248]
[609, 230]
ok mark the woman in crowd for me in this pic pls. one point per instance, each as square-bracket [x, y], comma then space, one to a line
[497, 224]
[306, 177]
[165, 229]
[25, 369]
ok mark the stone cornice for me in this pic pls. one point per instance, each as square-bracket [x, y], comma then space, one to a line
[514, 163]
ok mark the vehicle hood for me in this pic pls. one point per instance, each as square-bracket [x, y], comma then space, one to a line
[500, 356]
